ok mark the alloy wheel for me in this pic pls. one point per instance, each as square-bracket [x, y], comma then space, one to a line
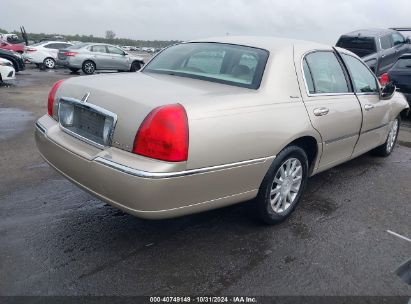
[49, 63]
[286, 185]
[89, 68]
[392, 136]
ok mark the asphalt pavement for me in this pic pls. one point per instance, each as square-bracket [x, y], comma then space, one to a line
[56, 239]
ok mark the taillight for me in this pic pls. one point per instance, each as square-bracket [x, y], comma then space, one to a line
[30, 50]
[70, 54]
[52, 94]
[384, 79]
[163, 134]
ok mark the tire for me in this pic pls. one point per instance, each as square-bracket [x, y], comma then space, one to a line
[49, 63]
[135, 66]
[290, 164]
[15, 65]
[89, 67]
[386, 148]
[74, 70]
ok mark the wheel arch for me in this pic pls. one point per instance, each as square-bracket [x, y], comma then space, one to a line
[404, 113]
[310, 145]
[88, 59]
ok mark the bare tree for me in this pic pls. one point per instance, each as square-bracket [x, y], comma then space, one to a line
[110, 34]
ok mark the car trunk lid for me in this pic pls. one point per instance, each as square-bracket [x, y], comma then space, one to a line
[132, 96]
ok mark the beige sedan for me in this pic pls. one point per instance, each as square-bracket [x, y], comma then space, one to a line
[215, 122]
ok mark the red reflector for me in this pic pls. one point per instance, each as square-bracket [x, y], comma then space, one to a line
[70, 54]
[164, 134]
[52, 94]
[384, 79]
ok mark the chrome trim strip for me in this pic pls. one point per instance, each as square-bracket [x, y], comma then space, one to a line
[340, 138]
[97, 109]
[376, 128]
[146, 174]
[40, 128]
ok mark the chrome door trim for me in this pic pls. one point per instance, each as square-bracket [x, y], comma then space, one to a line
[340, 138]
[154, 175]
[376, 128]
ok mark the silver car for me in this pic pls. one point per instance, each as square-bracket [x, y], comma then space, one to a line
[90, 57]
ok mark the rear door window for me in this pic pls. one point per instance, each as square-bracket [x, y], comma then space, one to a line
[99, 49]
[327, 75]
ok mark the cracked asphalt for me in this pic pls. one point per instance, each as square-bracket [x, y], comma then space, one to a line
[56, 239]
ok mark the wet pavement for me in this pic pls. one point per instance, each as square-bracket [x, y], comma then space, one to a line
[55, 239]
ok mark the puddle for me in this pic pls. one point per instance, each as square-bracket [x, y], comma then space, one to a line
[318, 204]
[13, 121]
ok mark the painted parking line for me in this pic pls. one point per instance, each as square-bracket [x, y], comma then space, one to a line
[399, 235]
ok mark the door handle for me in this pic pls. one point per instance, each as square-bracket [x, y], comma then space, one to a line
[368, 107]
[321, 111]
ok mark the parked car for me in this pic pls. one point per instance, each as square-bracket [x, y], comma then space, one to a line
[7, 71]
[211, 123]
[15, 58]
[400, 76]
[45, 53]
[90, 57]
[379, 48]
[18, 48]
[9, 37]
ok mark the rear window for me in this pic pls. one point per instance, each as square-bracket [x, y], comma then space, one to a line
[359, 45]
[403, 63]
[217, 62]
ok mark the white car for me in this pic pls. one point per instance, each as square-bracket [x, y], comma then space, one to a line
[7, 71]
[45, 52]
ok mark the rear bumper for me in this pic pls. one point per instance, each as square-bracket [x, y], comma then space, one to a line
[147, 193]
[69, 64]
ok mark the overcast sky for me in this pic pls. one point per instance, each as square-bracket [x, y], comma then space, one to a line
[318, 20]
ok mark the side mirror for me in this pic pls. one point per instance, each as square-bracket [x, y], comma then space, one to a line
[125, 54]
[387, 91]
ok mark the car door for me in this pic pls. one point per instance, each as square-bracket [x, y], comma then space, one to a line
[118, 59]
[100, 56]
[333, 109]
[387, 54]
[51, 50]
[375, 121]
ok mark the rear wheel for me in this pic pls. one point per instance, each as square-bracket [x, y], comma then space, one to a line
[283, 185]
[89, 67]
[49, 63]
[135, 66]
[386, 148]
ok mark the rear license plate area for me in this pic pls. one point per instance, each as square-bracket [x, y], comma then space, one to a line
[86, 122]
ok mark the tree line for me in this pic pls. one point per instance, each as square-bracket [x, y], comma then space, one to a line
[110, 39]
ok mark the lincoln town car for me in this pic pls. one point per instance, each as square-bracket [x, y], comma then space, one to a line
[214, 122]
